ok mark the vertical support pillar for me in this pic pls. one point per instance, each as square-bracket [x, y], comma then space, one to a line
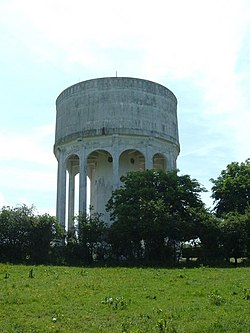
[71, 200]
[171, 162]
[61, 191]
[116, 179]
[149, 163]
[149, 158]
[82, 182]
[92, 187]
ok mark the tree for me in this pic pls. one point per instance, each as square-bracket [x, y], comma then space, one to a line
[154, 209]
[45, 234]
[15, 229]
[247, 226]
[25, 236]
[91, 235]
[209, 234]
[235, 237]
[231, 190]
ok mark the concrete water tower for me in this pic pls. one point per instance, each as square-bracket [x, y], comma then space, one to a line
[106, 127]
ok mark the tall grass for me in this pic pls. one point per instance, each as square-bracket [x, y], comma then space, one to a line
[69, 299]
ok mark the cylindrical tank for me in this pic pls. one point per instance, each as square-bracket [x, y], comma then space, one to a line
[106, 127]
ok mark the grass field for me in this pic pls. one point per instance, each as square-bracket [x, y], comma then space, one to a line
[73, 299]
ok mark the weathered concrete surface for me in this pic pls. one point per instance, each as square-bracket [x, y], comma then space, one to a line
[107, 127]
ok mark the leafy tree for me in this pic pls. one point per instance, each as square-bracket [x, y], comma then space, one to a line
[209, 234]
[26, 236]
[156, 209]
[247, 226]
[231, 190]
[234, 234]
[45, 235]
[91, 235]
[15, 230]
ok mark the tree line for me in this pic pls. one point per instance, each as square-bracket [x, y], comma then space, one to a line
[157, 218]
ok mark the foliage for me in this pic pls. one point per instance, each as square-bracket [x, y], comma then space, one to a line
[44, 238]
[209, 233]
[157, 217]
[90, 236]
[123, 300]
[116, 303]
[231, 190]
[156, 209]
[247, 227]
[215, 298]
[15, 231]
[25, 236]
[235, 235]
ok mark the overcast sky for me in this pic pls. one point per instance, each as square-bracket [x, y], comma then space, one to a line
[199, 49]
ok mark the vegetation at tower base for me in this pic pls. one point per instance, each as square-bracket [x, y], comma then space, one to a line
[88, 241]
[231, 190]
[235, 235]
[153, 213]
[231, 194]
[26, 237]
[157, 217]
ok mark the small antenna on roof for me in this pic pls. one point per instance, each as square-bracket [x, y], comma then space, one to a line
[116, 74]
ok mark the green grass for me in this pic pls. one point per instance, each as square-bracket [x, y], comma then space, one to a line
[130, 300]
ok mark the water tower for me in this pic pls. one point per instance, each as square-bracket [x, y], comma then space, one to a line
[105, 128]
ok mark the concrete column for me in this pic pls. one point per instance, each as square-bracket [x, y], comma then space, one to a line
[149, 158]
[61, 191]
[149, 163]
[71, 199]
[92, 202]
[116, 179]
[174, 158]
[171, 165]
[82, 182]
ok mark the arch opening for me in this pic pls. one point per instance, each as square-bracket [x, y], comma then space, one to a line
[159, 162]
[100, 179]
[131, 160]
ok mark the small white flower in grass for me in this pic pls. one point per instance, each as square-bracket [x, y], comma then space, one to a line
[54, 319]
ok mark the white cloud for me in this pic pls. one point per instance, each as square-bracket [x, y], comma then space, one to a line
[175, 37]
[25, 177]
[28, 168]
[2, 200]
[34, 146]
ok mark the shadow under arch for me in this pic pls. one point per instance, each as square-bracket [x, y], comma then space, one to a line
[131, 160]
[100, 180]
[72, 163]
[159, 162]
